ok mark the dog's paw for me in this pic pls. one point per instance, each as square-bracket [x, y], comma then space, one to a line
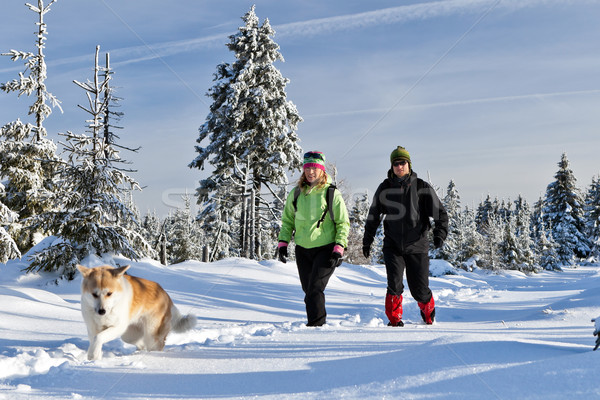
[94, 353]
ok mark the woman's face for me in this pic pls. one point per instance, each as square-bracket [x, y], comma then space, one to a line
[312, 174]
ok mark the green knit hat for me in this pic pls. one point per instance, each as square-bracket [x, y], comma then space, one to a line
[400, 153]
[314, 159]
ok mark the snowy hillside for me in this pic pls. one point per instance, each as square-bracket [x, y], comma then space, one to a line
[505, 336]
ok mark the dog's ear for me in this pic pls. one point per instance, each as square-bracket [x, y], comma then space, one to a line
[119, 272]
[84, 271]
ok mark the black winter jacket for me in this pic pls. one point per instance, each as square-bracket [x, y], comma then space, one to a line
[407, 204]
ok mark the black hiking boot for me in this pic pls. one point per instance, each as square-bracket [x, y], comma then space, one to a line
[400, 323]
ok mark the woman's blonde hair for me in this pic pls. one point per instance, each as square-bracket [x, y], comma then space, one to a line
[321, 180]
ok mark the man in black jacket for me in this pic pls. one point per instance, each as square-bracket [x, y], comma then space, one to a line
[407, 203]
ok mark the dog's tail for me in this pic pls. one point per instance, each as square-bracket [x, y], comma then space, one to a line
[181, 323]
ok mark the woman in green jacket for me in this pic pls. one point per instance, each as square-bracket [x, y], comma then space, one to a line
[319, 236]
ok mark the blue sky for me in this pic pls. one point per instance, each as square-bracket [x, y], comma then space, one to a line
[487, 93]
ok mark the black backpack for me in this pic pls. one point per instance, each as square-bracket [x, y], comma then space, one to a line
[328, 199]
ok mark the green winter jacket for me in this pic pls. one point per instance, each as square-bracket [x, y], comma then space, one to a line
[302, 223]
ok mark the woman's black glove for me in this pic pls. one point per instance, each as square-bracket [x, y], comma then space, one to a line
[335, 260]
[283, 254]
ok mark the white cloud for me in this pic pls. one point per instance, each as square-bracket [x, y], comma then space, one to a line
[534, 96]
[321, 26]
[408, 13]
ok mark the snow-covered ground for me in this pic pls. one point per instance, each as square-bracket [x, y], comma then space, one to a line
[497, 336]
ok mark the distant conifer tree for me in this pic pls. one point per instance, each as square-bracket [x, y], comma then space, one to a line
[592, 215]
[564, 215]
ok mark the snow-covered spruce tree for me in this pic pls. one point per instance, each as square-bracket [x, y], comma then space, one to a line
[463, 239]
[377, 247]
[490, 222]
[515, 251]
[503, 209]
[485, 208]
[111, 116]
[564, 215]
[27, 158]
[544, 247]
[490, 251]
[507, 247]
[8, 247]
[251, 123]
[216, 224]
[524, 243]
[151, 230]
[470, 239]
[548, 256]
[357, 213]
[592, 215]
[451, 202]
[537, 222]
[93, 218]
[183, 235]
[271, 221]
[516, 246]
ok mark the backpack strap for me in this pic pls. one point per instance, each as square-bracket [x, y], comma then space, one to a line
[297, 191]
[329, 200]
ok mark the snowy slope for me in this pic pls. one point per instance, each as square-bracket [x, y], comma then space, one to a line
[498, 336]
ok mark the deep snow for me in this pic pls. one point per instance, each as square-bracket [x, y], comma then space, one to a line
[497, 336]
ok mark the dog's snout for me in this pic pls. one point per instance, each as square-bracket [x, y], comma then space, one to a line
[102, 311]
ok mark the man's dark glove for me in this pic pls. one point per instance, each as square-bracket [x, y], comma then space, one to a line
[335, 260]
[366, 251]
[283, 254]
[438, 242]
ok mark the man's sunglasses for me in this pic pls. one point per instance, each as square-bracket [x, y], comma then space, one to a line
[311, 154]
[399, 162]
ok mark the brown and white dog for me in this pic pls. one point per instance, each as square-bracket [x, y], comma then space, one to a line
[139, 311]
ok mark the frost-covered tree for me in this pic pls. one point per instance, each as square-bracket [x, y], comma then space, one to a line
[490, 251]
[537, 222]
[251, 123]
[507, 247]
[485, 208]
[27, 158]
[564, 214]
[377, 247]
[592, 215]
[524, 246]
[93, 217]
[271, 223]
[464, 239]
[514, 249]
[452, 244]
[548, 256]
[503, 209]
[183, 235]
[544, 247]
[469, 239]
[491, 218]
[151, 230]
[357, 214]
[216, 224]
[8, 247]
